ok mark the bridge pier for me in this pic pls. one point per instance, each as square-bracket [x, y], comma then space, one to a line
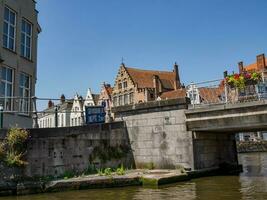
[214, 149]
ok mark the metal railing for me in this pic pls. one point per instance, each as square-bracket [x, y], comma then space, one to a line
[219, 92]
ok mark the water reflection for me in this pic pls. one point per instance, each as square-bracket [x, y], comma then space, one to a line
[251, 184]
[254, 177]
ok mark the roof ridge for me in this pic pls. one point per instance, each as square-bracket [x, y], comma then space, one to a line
[148, 70]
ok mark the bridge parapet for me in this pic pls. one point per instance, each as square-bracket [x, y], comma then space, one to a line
[228, 118]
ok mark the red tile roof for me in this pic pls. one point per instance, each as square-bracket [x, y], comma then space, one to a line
[174, 94]
[144, 78]
[253, 67]
[109, 89]
[211, 95]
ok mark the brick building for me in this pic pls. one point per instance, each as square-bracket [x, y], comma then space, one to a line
[137, 85]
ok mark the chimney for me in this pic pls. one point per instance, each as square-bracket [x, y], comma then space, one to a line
[50, 104]
[177, 83]
[261, 62]
[156, 85]
[62, 98]
[240, 67]
[225, 74]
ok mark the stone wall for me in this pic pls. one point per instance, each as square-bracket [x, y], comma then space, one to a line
[158, 134]
[52, 151]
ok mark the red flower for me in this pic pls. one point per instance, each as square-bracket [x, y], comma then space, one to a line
[236, 76]
[248, 76]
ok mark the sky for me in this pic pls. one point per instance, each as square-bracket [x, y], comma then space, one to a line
[83, 41]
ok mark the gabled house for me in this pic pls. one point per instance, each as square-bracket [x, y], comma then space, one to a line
[134, 85]
[78, 107]
[105, 99]
[77, 111]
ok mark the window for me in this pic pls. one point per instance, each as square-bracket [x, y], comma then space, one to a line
[26, 39]
[151, 96]
[126, 99]
[125, 84]
[62, 120]
[6, 88]
[115, 99]
[24, 92]
[9, 29]
[120, 100]
[131, 98]
[120, 85]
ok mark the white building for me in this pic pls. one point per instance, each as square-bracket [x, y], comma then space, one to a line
[47, 119]
[77, 112]
[77, 115]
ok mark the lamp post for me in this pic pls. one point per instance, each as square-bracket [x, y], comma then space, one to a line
[34, 115]
[56, 118]
[1, 115]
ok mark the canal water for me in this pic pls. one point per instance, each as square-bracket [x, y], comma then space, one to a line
[251, 184]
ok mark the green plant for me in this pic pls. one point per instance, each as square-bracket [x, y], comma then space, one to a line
[2, 151]
[16, 137]
[68, 174]
[243, 79]
[120, 170]
[100, 172]
[15, 159]
[12, 149]
[107, 171]
[104, 172]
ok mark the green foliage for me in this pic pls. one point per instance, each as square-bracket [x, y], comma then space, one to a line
[243, 79]
[12, 149]
[104, 172]
[16, 137]
[100, 172]
[15, 159]
[120, 170]
[68, 174]
[2, 151]
[108, 171]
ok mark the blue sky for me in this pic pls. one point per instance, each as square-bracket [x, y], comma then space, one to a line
[82, 41]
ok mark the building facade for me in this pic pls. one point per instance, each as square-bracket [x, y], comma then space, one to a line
[19, 31]
[105, 99]
[47, 118]
[77, 116]
[137, 85]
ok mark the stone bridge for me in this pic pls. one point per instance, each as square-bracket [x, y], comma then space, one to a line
[170, 133]
[241, 117]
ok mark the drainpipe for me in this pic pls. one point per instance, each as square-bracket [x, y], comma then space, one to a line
[1, 116]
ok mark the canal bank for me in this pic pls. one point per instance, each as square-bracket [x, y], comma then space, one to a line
[250, 184]
[140, 177]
